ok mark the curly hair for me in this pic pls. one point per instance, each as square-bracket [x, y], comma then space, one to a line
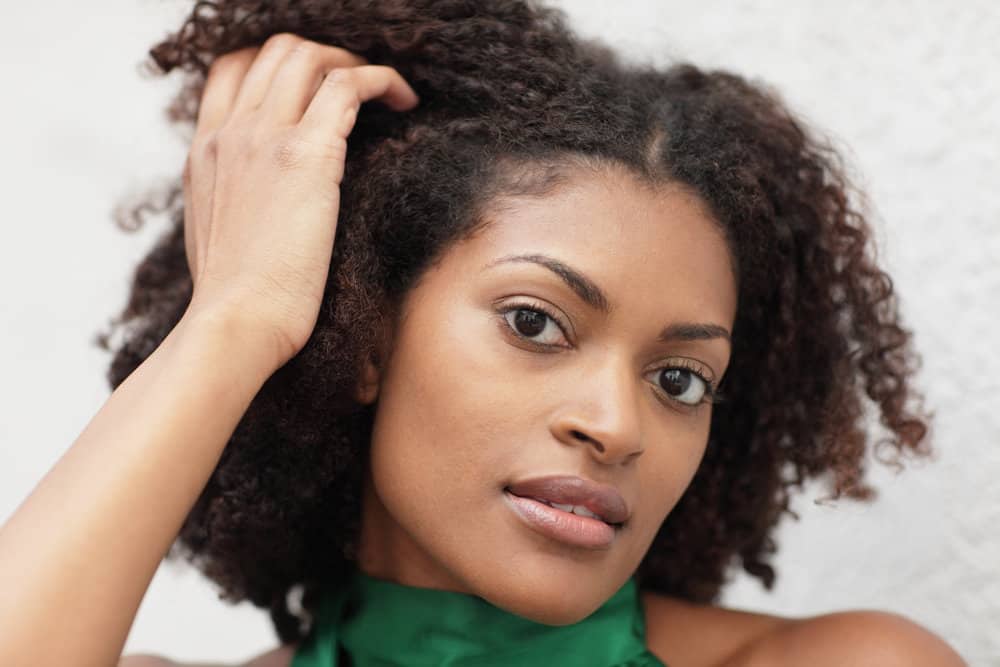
[511, 99]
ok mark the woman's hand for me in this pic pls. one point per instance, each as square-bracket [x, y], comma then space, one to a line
[262, 180]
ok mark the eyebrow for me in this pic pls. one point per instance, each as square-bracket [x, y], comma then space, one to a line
[591, 294]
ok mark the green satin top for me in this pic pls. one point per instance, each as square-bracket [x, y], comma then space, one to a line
[376, 623]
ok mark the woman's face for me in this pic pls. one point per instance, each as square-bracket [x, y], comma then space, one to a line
[483, 391]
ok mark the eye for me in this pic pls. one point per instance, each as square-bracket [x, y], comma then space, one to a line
[682, 381]
[685, 384]
[534, 323]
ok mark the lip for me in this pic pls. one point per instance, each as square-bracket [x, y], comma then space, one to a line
[601, 499]
[525, 498]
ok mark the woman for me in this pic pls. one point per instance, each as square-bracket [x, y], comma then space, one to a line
[544, 332]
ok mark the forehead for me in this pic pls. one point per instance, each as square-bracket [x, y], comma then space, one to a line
[641, 244]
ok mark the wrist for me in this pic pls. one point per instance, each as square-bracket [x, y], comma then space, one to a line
[229, 333]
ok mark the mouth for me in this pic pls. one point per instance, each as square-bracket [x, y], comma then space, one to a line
[578, 510]
[572, 524]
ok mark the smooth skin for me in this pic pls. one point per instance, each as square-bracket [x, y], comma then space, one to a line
[468, 403]
[273, 126]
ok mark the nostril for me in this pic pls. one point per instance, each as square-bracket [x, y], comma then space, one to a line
[587, 438]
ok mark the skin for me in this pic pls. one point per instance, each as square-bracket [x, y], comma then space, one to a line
[465, 407]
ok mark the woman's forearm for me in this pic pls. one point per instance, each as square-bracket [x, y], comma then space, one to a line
[77, 556]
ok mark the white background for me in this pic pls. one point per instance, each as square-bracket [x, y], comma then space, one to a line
[909, 90]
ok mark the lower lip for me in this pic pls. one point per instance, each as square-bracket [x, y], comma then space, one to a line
[566, 527]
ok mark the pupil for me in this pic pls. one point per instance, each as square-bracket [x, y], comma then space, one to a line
[676, 381]
[533, 321]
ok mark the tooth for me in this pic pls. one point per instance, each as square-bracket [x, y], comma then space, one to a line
[564, 508]
[583, 511]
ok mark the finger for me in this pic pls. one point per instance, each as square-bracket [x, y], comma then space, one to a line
[335, 105]
[299, 77]
[199, 189]
[221, 87]
[258, 77]
[190, 242]
[217, 99]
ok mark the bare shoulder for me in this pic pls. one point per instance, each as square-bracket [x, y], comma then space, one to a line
[863, 638]
[278, 657]
[685, 634]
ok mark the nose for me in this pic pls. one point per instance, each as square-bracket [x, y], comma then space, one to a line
[601, 410]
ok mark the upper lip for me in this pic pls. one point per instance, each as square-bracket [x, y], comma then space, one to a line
[601, 499]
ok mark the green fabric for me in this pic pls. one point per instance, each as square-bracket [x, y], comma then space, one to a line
[376, 623]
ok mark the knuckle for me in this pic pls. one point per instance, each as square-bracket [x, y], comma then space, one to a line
[306, 50]
[344, 78]
[282, 42]
[380, 72]
[336, 149]
[230, 60]
[222, 63]
[339, 75]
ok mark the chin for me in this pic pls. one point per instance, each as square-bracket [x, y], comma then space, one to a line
[529, 574]
[551, 588]
[553, 607]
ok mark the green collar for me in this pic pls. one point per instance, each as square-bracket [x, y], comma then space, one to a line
[378, 623]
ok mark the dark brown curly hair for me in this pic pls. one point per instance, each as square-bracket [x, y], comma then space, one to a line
[511, 99]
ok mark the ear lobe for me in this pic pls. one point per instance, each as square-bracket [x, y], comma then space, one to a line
[368, 383]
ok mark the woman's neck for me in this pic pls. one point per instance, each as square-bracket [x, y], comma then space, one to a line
[387, 552]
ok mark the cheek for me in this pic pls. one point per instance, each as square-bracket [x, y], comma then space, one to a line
[667, 472]
[444, 424]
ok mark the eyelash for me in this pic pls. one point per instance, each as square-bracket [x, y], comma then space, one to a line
[712, 394]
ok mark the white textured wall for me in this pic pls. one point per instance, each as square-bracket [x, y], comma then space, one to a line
[909, 89]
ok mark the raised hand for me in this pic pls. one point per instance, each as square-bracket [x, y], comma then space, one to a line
[262, 180]
[262, 195]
